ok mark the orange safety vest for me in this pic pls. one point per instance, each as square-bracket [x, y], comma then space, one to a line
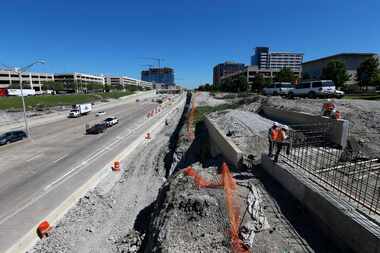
[274, 134]
[279, 135]
[328, 106]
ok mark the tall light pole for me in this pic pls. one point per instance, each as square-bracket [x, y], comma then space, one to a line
[19, 71]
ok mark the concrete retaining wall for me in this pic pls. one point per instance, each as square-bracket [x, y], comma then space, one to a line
[221, 145]
[338, 128]
[348, 225]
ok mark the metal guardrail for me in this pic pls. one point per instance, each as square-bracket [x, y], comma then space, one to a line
[352, 177]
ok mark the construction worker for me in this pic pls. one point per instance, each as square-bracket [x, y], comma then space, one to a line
[272, 134]
[328, 108]
[281, 139]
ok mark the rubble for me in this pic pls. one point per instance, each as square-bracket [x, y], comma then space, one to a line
[188, 219]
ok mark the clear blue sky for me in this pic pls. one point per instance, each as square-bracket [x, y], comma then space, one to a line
[111, 37]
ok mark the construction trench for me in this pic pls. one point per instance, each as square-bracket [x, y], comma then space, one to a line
[176, 195]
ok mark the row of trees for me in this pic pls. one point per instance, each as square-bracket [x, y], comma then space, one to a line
[240, 84]
[367, 74]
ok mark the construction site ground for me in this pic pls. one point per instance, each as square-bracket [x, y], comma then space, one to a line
[155, 207]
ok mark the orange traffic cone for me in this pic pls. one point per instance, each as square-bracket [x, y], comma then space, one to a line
[43, 229]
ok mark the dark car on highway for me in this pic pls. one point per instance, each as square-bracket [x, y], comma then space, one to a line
[12, 137]
[96, 129]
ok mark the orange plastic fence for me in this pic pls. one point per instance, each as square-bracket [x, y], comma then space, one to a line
[233, 209]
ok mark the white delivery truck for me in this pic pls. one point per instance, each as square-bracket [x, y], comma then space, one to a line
[79, 110]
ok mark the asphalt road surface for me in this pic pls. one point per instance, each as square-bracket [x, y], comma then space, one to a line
[38, 174]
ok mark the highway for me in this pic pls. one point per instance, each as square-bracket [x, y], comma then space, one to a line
[38, 174]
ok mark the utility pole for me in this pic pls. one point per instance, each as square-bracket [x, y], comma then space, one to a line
[20, 71]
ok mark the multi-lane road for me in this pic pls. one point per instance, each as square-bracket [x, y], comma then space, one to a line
[38, 174]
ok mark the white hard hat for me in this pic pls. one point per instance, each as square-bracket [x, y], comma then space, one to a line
[276, 124]
[329, 99]
[285, 127]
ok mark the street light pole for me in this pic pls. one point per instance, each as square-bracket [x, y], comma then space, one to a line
[23, 106]
[19, 71]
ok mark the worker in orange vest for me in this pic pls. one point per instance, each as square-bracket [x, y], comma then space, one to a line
[272, 134]
[281, 139]
[328, 108]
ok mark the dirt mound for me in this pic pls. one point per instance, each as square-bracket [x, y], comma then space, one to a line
[188, 219]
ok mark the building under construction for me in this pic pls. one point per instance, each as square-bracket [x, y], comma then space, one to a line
[159, 75]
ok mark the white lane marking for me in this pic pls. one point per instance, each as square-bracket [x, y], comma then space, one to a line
[59, 159]
[79, 167]
[34, 157]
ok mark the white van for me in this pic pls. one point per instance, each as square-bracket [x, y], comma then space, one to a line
[278, 89]
[313, 89]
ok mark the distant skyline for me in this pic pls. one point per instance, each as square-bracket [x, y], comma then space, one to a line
[113, 37]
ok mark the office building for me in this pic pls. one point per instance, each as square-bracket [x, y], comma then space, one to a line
[264, 59]
[224, 69]
[29, 80]
[78, 78]
[126, 82]
[158, 75]
[313, 69]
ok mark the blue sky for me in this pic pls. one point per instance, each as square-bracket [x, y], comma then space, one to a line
[113, 37]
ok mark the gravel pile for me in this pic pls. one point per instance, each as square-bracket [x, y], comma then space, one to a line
[188, 219]
[204, 99]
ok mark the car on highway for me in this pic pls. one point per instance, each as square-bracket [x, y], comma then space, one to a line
[111, 121]
[12, 136]
[100, 113]
[276, 89]
[97, 128]
[314, 89]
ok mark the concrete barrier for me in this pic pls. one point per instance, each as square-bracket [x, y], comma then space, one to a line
[338, 132]
[221, 145]
[340, 219]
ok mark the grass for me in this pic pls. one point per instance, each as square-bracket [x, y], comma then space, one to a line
[40, 102]
[202, 111]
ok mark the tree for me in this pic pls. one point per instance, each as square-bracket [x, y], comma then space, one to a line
[336, 71]
[241, 84]
[258, 83]
[52, 85]
[285, 75]
[368, 72]
[306, 76]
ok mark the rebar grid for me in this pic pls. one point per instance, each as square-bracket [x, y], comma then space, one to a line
[353, 178]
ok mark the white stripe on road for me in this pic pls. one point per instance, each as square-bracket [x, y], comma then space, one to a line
[59, 159]
[34, 157]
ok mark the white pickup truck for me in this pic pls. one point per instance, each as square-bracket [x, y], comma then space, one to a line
[79, 110]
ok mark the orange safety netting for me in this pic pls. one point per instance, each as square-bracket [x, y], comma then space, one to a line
[233, 209]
